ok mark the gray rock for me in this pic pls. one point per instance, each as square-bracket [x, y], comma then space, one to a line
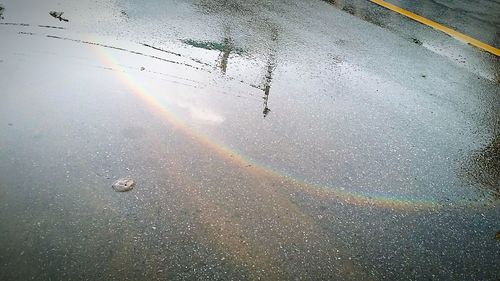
[123, 184]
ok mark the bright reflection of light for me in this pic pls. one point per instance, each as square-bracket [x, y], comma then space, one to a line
[202, 114]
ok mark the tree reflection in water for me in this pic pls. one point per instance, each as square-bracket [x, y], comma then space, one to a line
[483, 166]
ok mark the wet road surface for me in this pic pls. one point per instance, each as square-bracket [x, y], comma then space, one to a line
[330, 140]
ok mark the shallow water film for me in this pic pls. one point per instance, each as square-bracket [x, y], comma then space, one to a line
[255, 140]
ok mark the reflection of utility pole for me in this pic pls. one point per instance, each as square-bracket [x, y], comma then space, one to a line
[227, 48]
[271, 65]
[266, 97]
[267, 84]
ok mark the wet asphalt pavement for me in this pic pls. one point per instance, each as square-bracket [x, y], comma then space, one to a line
[273, 140]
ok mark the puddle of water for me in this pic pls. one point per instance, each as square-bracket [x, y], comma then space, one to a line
[326, 186]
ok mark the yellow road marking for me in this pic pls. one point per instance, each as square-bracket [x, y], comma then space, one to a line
[439, 26]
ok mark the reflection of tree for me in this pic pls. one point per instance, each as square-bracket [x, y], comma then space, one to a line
[351, 8]
[2, 9]
[484, 165]
[58, 15]
[359, 9]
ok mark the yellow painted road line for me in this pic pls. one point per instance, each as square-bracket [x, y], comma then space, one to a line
[440, 27]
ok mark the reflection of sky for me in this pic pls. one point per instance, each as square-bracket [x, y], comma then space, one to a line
[338, 124]
[369, 146]
[202, 114]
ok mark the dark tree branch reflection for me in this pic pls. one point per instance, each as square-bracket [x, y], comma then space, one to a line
[484, 164]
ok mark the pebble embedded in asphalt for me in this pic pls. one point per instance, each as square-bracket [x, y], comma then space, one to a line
[123, 185]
